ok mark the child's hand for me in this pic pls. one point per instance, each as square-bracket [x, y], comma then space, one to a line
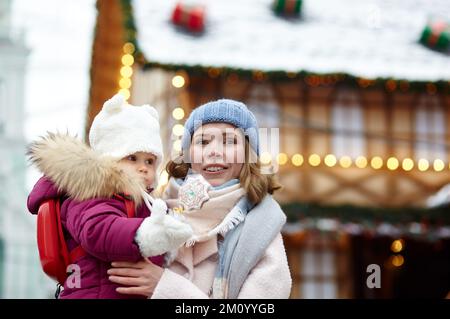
[159, 208]
[160, 232]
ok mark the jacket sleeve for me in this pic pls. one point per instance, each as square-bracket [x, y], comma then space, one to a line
[103, 231]
[270, 278]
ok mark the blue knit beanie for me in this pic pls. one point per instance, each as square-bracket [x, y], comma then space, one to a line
[223, 111]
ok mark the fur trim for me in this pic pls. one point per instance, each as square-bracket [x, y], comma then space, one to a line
[81, 172]
[170, 257]
[161, 233]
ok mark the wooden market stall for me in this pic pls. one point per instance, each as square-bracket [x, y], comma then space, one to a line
[361, 107]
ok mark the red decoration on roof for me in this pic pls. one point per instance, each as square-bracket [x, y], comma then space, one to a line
[189, 17]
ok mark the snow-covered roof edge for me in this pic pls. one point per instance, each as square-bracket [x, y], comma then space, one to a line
[310, 77]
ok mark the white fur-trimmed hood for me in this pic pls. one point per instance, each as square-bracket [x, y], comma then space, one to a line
[81, 172]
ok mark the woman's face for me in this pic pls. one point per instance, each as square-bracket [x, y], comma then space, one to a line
[217, 152]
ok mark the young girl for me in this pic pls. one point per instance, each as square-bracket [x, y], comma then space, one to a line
[126, 150]
[236, 250]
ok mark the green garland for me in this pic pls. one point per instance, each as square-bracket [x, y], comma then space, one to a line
[313, 79]
[310, 78]
[350, 213]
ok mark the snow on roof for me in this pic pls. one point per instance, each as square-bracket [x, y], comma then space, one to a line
[370, 39]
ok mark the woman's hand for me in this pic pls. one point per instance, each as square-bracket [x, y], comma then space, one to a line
[141, 277]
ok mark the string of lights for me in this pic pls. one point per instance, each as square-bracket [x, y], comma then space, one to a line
[330, 160]
[126, 71]
[311, 79]
[297, 160]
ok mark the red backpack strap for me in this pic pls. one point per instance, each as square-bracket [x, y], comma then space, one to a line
[129, 204]
[64, 250]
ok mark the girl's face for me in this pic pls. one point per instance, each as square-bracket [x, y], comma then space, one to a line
[217, 152]
[144, 164]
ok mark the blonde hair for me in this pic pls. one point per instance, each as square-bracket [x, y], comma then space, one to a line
[256, 184]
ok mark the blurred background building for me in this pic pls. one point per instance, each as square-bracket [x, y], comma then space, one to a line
[360, 93]
[44, 85]
[19, 265]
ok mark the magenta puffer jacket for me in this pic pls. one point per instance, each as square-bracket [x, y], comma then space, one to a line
[102, 228]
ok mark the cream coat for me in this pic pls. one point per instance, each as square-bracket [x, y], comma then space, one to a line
[191, 275]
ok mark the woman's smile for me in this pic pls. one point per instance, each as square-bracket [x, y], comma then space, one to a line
[215, 169]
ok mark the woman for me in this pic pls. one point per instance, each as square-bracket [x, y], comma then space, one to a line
[237, 250]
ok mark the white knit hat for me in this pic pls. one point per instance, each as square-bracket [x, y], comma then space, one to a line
[121, 129]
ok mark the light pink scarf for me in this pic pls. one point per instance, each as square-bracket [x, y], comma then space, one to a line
[215, 216]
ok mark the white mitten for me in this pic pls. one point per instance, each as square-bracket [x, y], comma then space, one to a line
[160, 232]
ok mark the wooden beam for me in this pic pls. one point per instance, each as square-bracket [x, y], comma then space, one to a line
[307, 181]
[391, 185]
[109, 38]
[344, 183]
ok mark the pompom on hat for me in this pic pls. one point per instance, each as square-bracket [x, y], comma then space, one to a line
[121, 129]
